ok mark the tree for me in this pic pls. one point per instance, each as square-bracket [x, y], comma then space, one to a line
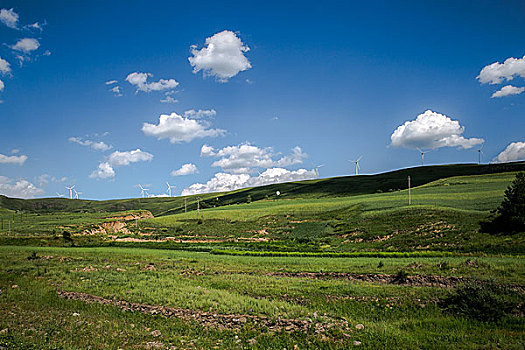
[511, 212]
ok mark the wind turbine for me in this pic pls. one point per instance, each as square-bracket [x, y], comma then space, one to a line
[60, 195]
[143, 191]
[169, 188]
[423, 155]
[77, 194]
[71, 191]
[356, 162]
[480, 152]
[316, 169]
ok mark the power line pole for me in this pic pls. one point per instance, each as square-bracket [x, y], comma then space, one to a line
[409, 198]
[198, 206]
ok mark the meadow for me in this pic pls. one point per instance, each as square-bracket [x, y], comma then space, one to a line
[335, 267]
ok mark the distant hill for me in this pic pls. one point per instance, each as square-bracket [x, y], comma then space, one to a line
[330, 187]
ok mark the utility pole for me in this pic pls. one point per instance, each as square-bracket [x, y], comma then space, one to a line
[409, 198]
[198, 206]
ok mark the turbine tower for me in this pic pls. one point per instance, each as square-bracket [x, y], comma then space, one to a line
[169, 188]
[480, 152]
[356, 162]
[77, 194]
[316, 169]
[143, 191]
[423, 155]
[71, 191]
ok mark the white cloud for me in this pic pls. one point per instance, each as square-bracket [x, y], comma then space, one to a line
[117, 159]
[228, 182]
[9, 18]
[36, 25]
[96, 145]
[496, 72]
[15, 151]
[19, 188]
[180, 129]
[20, 160]
[221, 57]
[139, 80]
[508, 90]
[26, 45]
[104, 171]
[514, 151]
[244, 158]
[185, 169]
[116, 91]
[207, 151]
[200, 114]
[169, 99]
[432, 130]
[2, 85]
[44, 179]
[5, 67]
[111, 82]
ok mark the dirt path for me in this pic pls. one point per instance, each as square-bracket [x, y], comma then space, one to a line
[207, 319]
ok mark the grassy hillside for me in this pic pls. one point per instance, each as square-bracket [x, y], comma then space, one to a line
[332, 187]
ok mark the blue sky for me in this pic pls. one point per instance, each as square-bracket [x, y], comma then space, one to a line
[286, 85]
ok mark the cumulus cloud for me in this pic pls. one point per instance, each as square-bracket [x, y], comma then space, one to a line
[180, 129]
[26, 45]
[207, 151]
[228, 182]
[18, 188]
[111, 82]
[44, 179]
[118, 159]
[96, 145]
[139, 80]
[514, 151]
[9, 18]
[169, 99]
[116, 90]
[496, 72]
[508, 90]
[432, 130]
[2, 85]
[20, 160]
[222, 56]
[200, 114]
[244, 158]
[37, 25]
[5, 67]
[185, 169]
[103, 171]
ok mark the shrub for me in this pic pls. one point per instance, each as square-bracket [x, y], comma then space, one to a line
[66, 236]
[487, 302]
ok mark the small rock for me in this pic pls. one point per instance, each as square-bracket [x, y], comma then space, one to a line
[356, 343]
[5, 330]
[120, 270]
[156, 333]
[359, 326]
[76, 314]
[14, 286]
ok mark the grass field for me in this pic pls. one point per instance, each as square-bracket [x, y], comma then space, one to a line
[394, 316]
[328, 264]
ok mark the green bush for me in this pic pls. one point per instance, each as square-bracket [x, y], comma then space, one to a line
[511, 212]
[487, 302]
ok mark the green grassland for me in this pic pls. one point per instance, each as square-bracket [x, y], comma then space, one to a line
[394, 316]
[329, 254]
